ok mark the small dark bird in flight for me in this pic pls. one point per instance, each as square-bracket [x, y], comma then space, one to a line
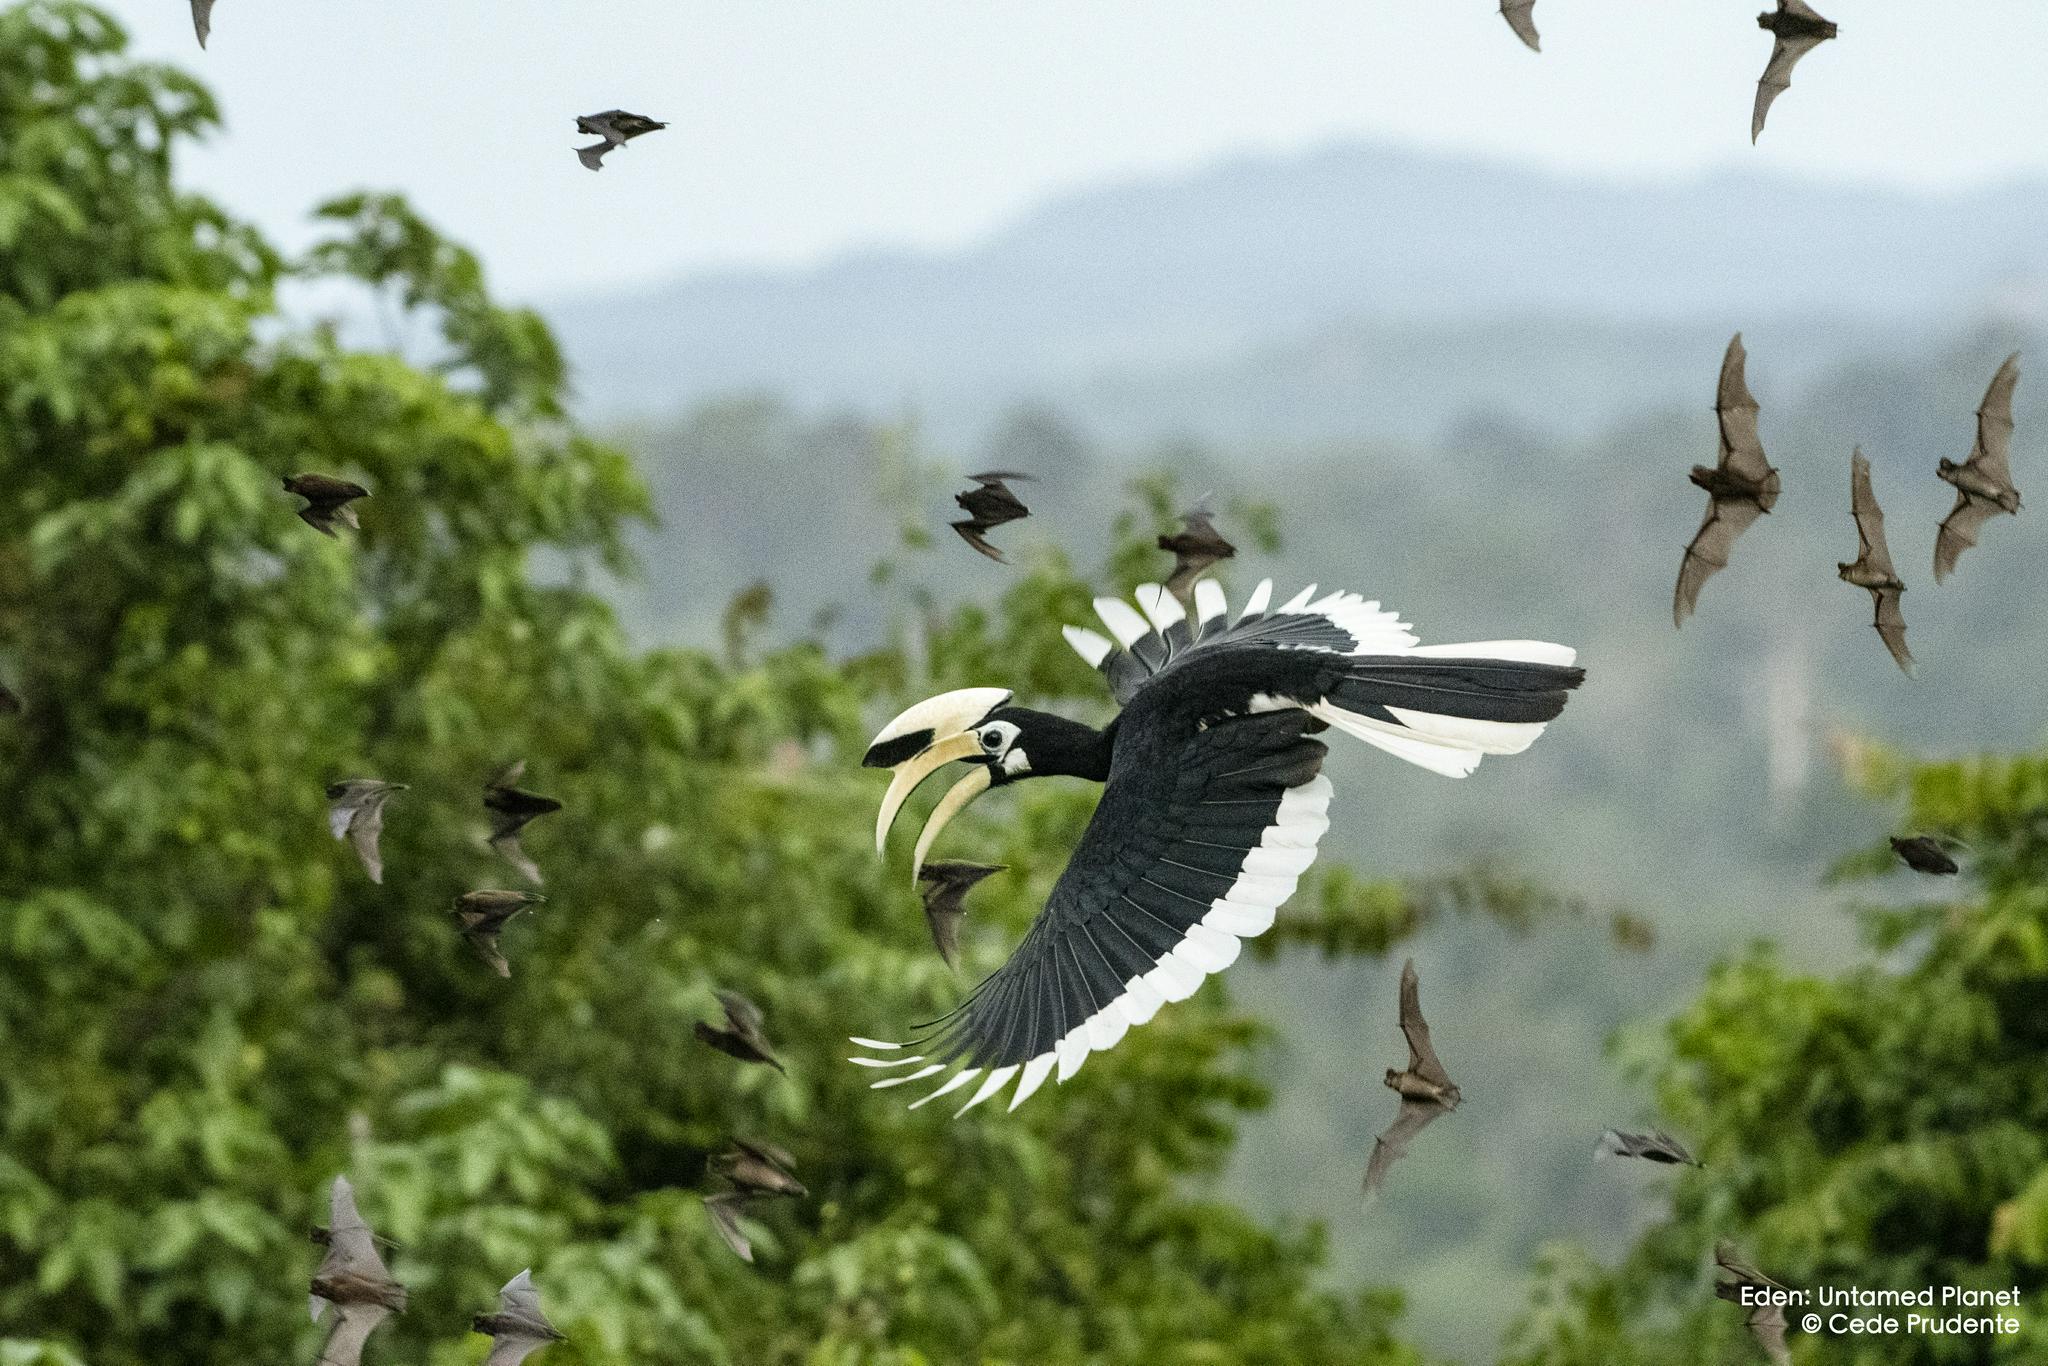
[1796, 30]
[511, 810]
[1766, 1321]
[1426, 1090]
[352, 1278]
[988, 507]
[518, 1329]
[743, 1036]
[756, 1171]
[1873, 566]
[355, 809]
[1740, 489]
[944, 887]
[617, 128]
[1196, 546]
[483, 916]
[1924, 854]
[1657, 1147]
[327, 501]
[1521, 17]
[202, 20]
[1984, 486]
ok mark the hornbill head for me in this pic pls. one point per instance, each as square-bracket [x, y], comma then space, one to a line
[972, 725]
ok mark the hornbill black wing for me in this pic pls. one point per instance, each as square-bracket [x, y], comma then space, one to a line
[1191, 848]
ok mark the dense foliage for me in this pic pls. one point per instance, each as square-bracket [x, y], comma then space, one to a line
[206, 1010]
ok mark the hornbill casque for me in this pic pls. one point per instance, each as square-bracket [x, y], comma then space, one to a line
[1213, 800]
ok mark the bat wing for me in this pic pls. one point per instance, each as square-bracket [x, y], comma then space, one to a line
[351, 1247]
[1422, 1058]
[1521, 17]
[202, 20]
[1392, 1145]
[1874, 554]
[743, 1015]
[508, 847]
[1993, 455]
[944, 919]
[340, 816]
[363, 829]
[353, 1324]
[1777, 78]
[1767, 1326]
[1959, 532]
[1891, 625]
[725, 1211]
[1742, 452]
[970, 532]
[510, 1349]
[1708, 553]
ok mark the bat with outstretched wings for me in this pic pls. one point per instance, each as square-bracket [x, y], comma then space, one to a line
[1657, 1146]
[1795, 30]
[1196, 547]
[1872, 568]
[1766, 1321]
[745, 1035]
[355, 811]
[1425, 1088]
[989, 505]
[944, 887]
[353, 1278]
[1984, 486]
[519, 1328]
[1740, 488]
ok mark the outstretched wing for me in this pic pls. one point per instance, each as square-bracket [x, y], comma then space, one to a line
[970, 532]
[1993, 454]
[353, 1324]
[1742, 450]
[725, 1211]
[1422, 1059]
[1189, 851]
[202, 20]
[1707, 554]
[364, 826]
[351, 1247]
[1415, 1116]
[1521, 17]
[1873, 555]
[1959, 531]
[1891, 625]
[1786, 50]
[1767, 1326]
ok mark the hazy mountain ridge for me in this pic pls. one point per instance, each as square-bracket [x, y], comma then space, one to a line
[1238, 281]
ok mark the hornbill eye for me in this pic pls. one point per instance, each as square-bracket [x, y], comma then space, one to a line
[992, 739]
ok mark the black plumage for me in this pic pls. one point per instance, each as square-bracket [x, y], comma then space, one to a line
[1872, 568]
[1196, 547]
[1426, 1089]
[1924, 854]
[512, 809]
[327, 501]
[944, 889]
[744, 1036]
[1213, 802]
[1740, 488]
[1795, 30]
[617, 128]
[1984, 487]
[483, 916]
[989, 505]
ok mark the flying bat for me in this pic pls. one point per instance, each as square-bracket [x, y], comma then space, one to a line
[355, 810]
[1924, 854]
[1873, 566]
[987, 507]
[518, 1329]
[1521, 17]
[202, 20]
[1426, 1090]
[756, 1168]
[1657, 1147]
[511, 810]
[1766, 1321]
[617, 128]
[743, 1037]
[1796, 30]
[944, 887]
[1984, 486]
[725, 1210]
[1740, 489]
[1196, 546]
[483, 915]
[352, 1278]
[327, 501]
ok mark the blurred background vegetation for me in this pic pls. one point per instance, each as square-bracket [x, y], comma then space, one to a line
[688, 625]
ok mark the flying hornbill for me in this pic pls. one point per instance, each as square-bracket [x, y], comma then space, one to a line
[1213, 802]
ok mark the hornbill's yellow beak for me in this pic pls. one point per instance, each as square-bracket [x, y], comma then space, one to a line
[924, 740]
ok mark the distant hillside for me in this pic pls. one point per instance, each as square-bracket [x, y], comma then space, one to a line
[1305, 296]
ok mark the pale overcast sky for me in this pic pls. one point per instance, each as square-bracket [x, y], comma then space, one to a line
[801, 130]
